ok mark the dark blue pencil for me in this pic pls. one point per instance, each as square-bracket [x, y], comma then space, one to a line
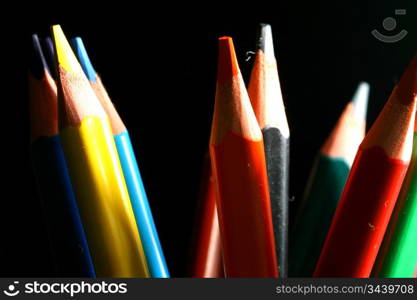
[71, 254]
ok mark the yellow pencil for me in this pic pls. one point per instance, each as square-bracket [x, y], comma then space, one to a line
[95, 171]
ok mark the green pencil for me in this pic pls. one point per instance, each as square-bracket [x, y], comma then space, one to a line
[398, 254]
[326, 182]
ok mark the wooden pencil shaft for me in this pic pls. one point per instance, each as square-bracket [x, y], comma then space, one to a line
[325, 186]
[277, 162]
[66, 233]
[372, 188]
[239, 168]
[314, 216]
[68, 239]
[146, 226]
[266, 99]
[398, 254]
[206, 256]
[95, 171]
[138, 198]
[362, 216]
[244, 208]
[103, 199]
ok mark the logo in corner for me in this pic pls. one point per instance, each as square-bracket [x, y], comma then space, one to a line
[390, 24]
[12, 290]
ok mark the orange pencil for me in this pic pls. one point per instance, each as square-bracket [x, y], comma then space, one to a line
[238, 163]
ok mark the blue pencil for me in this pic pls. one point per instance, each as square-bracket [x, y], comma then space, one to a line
[71, 253]
[144, 220]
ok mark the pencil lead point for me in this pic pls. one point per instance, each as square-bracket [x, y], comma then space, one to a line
[64, 54]
[265, 42]
[81, 53]
[360, 101]
[48, 51]
[37, 64]
[228, 65]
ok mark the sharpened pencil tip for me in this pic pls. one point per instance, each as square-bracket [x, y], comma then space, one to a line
[265, 41]
[64, 54]
[37, 65]
[227, 65]
[360, 101]
[48, 51]
[81, 53]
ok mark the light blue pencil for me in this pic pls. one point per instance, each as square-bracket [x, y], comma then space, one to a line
[144, 220]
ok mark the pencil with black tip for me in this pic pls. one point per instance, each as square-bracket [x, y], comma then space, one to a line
[206, 256]
[325, 185]
[266, 98]
[238, 163]
[372, 188]
[397, 257]
[143, 215]
[95, 171]
[69, 244]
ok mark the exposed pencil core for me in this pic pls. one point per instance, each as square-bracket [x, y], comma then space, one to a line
[49, 53]
[84, 59]
[264, 87]
[227, 67]
[64, 55]
[38, 63]
[360, 101]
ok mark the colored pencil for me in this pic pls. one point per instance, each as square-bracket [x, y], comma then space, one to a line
[206, 256]
[71, 253]
[95, 171]
[325, 185]
[398, 254]
[238, 163]
[266, 98]
[372, 187]
[139, 201]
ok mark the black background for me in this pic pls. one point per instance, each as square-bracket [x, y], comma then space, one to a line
[158, 63]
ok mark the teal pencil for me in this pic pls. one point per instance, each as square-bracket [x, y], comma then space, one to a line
[326, 182]
[144, 220]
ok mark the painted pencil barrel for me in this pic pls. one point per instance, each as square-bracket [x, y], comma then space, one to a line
[398, 255]
[103, 199]
[144, 220]
[244, 209]
[315, 214]
[277, 164]
[68, 240]
[206, 253]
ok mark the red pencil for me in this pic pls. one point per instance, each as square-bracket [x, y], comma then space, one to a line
[238, 163]
[372, 187]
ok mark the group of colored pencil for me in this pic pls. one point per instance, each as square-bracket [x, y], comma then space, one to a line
[95, 202]
[358, 217]
[243, 219]
[345, 225]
